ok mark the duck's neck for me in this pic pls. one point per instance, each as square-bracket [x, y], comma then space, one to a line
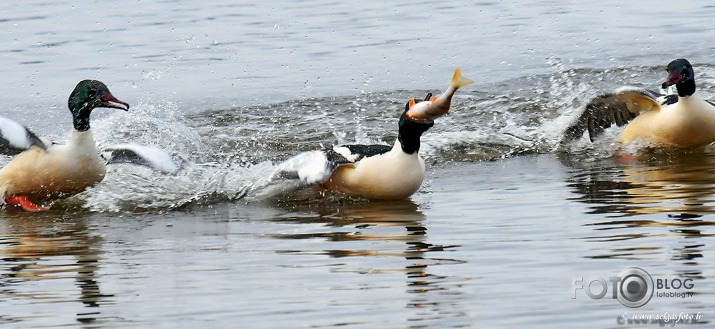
[686, 88]
[695, 104]
[83, 140]
[410, 132]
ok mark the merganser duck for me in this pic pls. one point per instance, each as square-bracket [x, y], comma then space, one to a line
[371, 171]
[42, 170]
[682, 121]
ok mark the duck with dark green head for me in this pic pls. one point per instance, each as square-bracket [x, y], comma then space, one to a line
[676, 121]
[88, 95]
[42, 170]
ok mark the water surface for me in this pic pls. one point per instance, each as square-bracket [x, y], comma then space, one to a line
[505, 221]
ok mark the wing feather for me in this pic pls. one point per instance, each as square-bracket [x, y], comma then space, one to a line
[355, 152]
[142, 155]
[16, 138]
[310, 168]
[619, 108]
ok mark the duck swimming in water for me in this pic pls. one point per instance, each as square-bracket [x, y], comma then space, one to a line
[682, 121]
[42, 170]
[371, 171]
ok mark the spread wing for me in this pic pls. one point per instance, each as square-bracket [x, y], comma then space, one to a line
[142, 155]
[310, 168]
[16, 137]
[618, 108]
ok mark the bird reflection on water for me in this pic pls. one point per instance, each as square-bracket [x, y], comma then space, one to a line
[678, 183]
[656, 196]
[50, 246]
[385, 224]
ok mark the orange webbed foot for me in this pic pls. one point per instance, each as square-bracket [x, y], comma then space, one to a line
[629, 159]
[23, 202]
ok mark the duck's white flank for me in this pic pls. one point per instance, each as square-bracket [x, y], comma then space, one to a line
[389, 176]
[62, 169]
[686, 124]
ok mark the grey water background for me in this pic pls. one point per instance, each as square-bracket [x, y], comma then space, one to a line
[506, 219]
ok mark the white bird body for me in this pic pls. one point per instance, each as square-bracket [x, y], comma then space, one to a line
[59, 170]
[388, 176]
[688, 123]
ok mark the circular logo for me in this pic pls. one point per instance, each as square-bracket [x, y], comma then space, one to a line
[635, 288]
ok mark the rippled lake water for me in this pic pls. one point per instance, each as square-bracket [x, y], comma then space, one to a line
[505, 225]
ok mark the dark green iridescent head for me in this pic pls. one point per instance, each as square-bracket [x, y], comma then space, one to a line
[88, 95]
[680, 74]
